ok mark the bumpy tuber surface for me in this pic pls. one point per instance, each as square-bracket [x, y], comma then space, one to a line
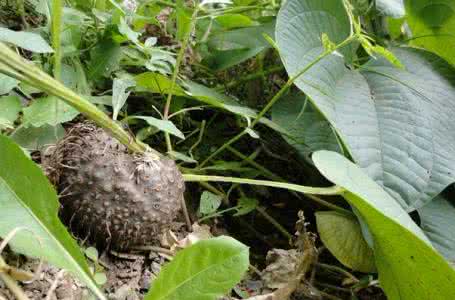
[113, 197]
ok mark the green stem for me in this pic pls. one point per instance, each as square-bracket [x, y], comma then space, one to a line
[277, 225]
[291, 80]
[250, 77]
[328, 191]
[56, 29]
[251, 162]
[222, 148]
[178, 62]
[269, 174]
[165, 3]
[23, 70]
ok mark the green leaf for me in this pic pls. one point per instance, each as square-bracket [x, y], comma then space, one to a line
[231, 21]
[92, 254]
[341, 234]
[100, 278]
[409, 267]
[396, 123]
[7, 84]
[130, 34]
[164, 125]
[27, 40]
[10, 107]
[437, 220]
[157, 83]
[28, 201]
[204, 271]
[119, 94]
[387, 55]
[183, 20]
[43, 112]
[235, 46]
[36, 138]
[182, 157]
[432, 25]
[105, 58]
[212, 97]
[307, 128]
[209, 203]
[245, 206]
[391, 8]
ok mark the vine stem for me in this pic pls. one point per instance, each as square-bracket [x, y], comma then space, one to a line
[56, 27]
[277, 96]
[327, 191]
[17, 67]
[11, 283]
[56, 32]
[178, 62]
[270, 175]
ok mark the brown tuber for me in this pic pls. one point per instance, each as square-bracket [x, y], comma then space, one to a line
[115, 198]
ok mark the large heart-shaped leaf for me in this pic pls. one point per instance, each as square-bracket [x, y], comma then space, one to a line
[204, 271]
[396, 123]
[27, 200]
[432, 24]
[409, 267]
[438, 222]
[308, 130]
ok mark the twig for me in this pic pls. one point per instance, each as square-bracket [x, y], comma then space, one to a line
[277, 225]
[337, 269]
[54, 284]
[186, 214]
[175, 73]
[155, 249]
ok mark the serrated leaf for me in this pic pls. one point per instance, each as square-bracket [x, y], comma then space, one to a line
[119, 94]
[245, 206]
[157, 83]
[432, 25]
[36, 138]
[437, 220]
[105, 58]
[27, 40]
[204, 271]
[27, 200]
[409, 267]
[164, 125]
[394, 122]
[209, 203]
[48, 111]
[10, 107]
[341, 234]
[7, 84]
